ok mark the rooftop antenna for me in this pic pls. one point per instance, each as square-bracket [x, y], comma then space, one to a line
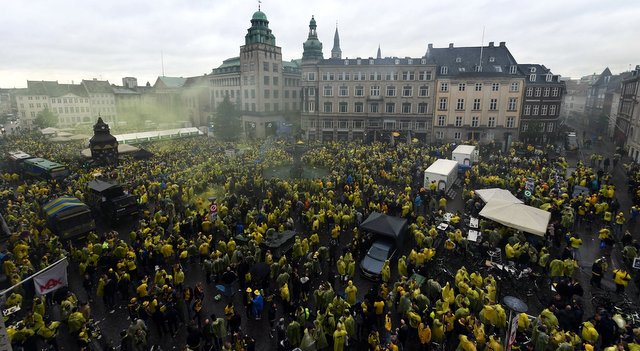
[162, 61]
[481, 47]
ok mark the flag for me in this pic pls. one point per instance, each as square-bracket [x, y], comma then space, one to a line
[52, 278]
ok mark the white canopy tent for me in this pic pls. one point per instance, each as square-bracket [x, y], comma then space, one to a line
[518, 216]
[491, 194]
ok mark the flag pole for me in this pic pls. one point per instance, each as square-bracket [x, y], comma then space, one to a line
[4, 292]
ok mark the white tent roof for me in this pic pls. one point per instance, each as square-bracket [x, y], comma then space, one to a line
[122, 149]
[517, 215]
[464, 149]
[47, 131]
[497, 194]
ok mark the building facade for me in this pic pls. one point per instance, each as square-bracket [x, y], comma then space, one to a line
[478, 95]
[367, 99]
[264, 88]
[73, 104]
[574, 99]
[541, 104]
[628, 117]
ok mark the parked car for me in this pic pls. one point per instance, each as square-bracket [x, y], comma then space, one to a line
[380, 251]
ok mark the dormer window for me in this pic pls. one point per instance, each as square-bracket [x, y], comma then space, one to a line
[444, 70]
[423, 61]
[346, 62]
[358, 61]
[513, 69]
[533, 70]
[397, 62]
[458, 59]
[410, 61]
[532, 77]
[549, 77]
[371, 62]
[492, 59]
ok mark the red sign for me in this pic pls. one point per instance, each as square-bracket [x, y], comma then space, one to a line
[213, 209]
[50, 285]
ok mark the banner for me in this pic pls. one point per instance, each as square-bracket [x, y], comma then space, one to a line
[53, 278]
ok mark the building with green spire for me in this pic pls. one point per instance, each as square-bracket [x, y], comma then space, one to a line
[264, 89]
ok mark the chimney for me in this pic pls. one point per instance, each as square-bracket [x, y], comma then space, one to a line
[450, 45]
[430, 46]
[490, 44]
[502, 44]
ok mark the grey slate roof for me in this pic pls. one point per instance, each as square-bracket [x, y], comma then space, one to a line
[463, 60]
[97, 86]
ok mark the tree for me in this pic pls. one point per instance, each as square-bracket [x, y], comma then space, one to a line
[46, 119]
[227, 121]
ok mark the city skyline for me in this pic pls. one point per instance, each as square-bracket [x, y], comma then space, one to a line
[112, 40]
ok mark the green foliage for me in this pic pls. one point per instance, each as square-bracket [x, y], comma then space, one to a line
[226, 123]
[46, 119]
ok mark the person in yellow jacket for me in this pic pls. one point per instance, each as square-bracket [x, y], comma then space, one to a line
[424, 334]
[351, 292]
[621, 278]
[385, 274]
[589, 332]
[494, 344]
[339, 338]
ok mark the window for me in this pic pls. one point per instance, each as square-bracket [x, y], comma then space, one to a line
[554, 92]
[358, 107]
[425, 75]
[275, 81]
[512, 104]
[493, 104]
[407, 91]
[546, 92]
[475, 121]
[375, 90]
[276, 94]
[266, 80]
[532, 77]
[275, 67]
[359, 91]
[344, 91]
[543, 110]
[286, 94]
[312, 91]
[390, 107]
[423, 108]
[460, 104]
[343, 107]
[358, 124]
[373, 107]
[538, 92]
[391, 90]
[441, 120]
[347, 76]
[265, 66]
[492, 122]
[527, 110]
[328, 90]
[550, 127]
[444, 70]
[513, 69]
[458, 122]
[442, 106]
[476, 104]
[439, 134]
[408, 75]
[311, 76]
[444, 87]
[343, 124]
[492, 59]
[457, 135]
[312, 106]
[478, 86]
[267, 93]
[458, 59]
[406, 107]
[549, 77]
[525, 127]
[529, 92]
[328, 107]
[511, 122]
[514, 87]
[552, 110]
[462, 86]
[536, 108]
[246, 94]
[424, 90]
[327, 123]
[495, 86]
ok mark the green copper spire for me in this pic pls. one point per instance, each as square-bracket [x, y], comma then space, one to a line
[259, 31]
[312, 47]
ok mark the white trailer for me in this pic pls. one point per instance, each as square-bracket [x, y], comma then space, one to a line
[443, 172]
[465, 155]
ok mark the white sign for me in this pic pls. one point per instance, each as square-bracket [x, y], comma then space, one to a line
[52, 279]
[10, 310]
[636, 263]
[213, 209]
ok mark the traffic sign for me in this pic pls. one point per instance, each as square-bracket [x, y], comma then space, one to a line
[213, 209]
[527, 193]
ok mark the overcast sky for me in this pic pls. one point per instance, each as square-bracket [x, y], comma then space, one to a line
[71, 40]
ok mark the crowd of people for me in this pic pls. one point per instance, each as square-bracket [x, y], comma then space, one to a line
[184, 277]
